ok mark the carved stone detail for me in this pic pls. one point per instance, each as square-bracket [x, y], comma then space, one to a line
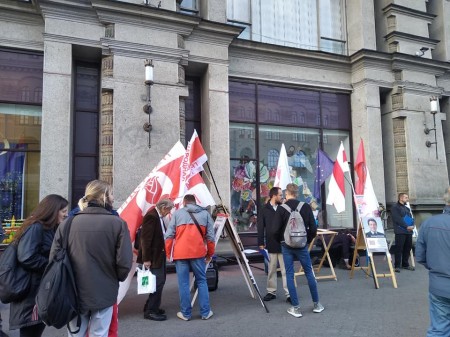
[108, 66]
[391, 23]
[183, 120]
[401, 160]
[180, 41]
[181, 74]
[397, 101]
[106, 137]
[393, 47]
[109, 31]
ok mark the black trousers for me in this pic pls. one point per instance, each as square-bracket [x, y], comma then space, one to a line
[403, 245]
[33, 330]
[154, 300]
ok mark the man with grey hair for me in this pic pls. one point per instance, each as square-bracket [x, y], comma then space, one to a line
[152, 255]
[433, 251]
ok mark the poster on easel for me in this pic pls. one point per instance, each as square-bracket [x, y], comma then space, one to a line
[374, 233]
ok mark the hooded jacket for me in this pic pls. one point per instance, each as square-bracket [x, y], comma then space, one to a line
[100, 251]
[184, 240]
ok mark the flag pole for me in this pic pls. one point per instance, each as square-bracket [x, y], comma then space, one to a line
[214, 182]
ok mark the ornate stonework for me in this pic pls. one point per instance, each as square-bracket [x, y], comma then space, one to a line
[106, 137]
[401, 160]
[108, 66]
[183, 120]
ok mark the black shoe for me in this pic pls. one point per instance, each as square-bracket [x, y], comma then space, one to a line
[397, 270]
[409, 268]
[288, 300]
[155, 316]
[269, 297]
[160, 311]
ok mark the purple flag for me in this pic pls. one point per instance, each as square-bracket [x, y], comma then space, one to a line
[324, 168]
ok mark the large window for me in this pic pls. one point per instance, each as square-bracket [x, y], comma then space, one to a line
[20, 132]
[262, 117]
[306, 24]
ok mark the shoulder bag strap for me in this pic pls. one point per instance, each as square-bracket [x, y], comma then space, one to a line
[65, 241]
[196, 223]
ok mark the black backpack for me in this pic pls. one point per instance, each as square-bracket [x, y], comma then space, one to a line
[57, 297]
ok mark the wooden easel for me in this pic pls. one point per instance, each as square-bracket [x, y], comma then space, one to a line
[360, 244]
[223, 222]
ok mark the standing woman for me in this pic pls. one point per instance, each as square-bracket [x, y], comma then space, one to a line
[99, 248]
[35, 240]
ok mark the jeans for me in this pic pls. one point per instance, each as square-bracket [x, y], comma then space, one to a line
[198, 267]
[97, 322]
[302, 254]
[439, 316]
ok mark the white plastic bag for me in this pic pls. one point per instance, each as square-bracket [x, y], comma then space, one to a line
[146, 281]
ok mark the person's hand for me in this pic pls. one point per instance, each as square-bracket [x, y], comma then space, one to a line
[410, 228]
[147, 264]
[208, 259]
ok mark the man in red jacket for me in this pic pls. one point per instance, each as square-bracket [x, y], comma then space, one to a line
[188, 230]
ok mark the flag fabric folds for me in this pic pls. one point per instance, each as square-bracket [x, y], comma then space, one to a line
[191, 163]
[283, 176]
[324, 168]
[364, 182]
[336, 188]
[162, 182]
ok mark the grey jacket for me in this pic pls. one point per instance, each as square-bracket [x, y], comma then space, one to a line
[433, 251]
[101, 255]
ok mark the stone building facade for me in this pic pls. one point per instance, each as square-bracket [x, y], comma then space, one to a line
[220, 70]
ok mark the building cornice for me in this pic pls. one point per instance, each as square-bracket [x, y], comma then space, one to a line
[28, 16]
[400, 36]
[22, 44]
[136, 50]
[287, 55]
[397, 9]
[68, 10]
[71, 40]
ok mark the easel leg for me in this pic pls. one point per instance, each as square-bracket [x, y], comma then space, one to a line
[374, 272]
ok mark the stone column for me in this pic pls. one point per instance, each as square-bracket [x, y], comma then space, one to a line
[360, 25]
[366, 122]
[215, 128]
[56, 149]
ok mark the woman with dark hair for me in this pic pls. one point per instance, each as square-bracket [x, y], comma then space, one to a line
[35, 239]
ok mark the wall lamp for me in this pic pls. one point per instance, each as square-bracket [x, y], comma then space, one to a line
[422, 51]
[148, 105]
[433, 111]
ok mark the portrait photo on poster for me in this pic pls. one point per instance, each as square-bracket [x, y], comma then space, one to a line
[374, 233]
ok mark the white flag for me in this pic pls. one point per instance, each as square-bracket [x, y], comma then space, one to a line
[283, 176]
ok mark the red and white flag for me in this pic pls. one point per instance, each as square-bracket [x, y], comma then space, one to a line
[364, 183]
[162, 182]
[191, 163]
[283, 176]
[336, 188]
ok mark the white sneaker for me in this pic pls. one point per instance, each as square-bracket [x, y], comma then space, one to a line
[181, 316]
[318, 307]
[208, 316]
[294, 311]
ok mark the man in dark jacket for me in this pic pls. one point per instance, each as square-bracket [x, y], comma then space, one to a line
[433, 250]
[403, 229]
[153, 256]
[302, 254]
[267, 240]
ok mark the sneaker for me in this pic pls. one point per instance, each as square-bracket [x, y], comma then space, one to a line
[318, 307]
[269, 297]
[288, 300]
[181, 316]
[409, 268]
[294, 311]
[208, 316]
[397, 270]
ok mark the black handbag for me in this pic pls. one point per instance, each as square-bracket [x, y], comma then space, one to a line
[15, 281]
